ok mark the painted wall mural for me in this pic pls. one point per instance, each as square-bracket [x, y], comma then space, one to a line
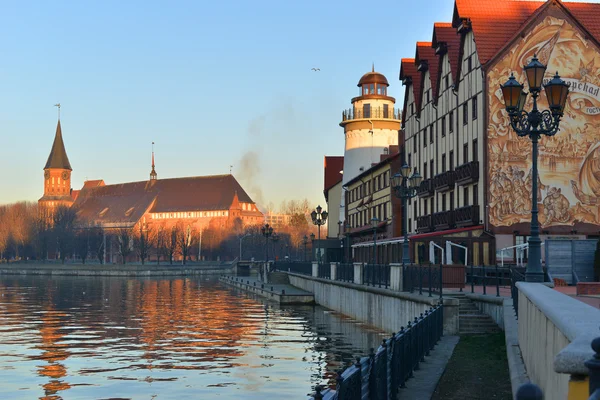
[569, 163]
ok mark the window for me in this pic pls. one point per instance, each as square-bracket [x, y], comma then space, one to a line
[451, 122]
[444, 202]
[412, 108]
[465, 113]
[415, 144]
[425, 170]
[431, 171]
[475, 155]
[425, 137]
[466, 196]
[431, 133]
[425, 207]
[385, 111]
[372, 88]
[475, 196]
[451, 201]
[443, 162]
[427, 97]
[409, 159]
[465, 153]
[415, 208]
[451, 160]
[469, 64]
[474, 107]
[446, 81]
[366, 110]
[385, 208]
[410, 224]
[443, 122]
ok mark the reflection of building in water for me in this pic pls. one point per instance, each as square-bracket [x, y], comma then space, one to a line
[456, 131]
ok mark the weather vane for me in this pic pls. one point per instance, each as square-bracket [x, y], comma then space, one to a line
[58, 105]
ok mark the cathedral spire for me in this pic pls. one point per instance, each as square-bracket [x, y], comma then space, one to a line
[58, 156]
[153, 174]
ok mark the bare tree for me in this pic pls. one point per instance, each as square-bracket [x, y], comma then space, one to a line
[96, 237]
[142, 242]
[186, 240]
[125, 242]
[4, 231]
[171, 242]
[63, 227]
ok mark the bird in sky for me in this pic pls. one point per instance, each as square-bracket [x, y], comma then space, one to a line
[315, 69]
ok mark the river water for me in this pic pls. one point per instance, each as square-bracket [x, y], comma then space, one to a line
[181, 338]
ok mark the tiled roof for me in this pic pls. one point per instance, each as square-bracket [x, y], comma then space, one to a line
[588, 14]
[408, 69]
[58, 156]
[93, 183]
[126, 203]
[426, 53]
[444, 33]
[332, 167]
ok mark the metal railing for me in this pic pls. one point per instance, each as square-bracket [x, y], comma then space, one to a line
[515, 276]
[417, 278]
[380, 375]
[304, 268]
[530, 391]
[345, 272]
[324, 271]
[375, 113]
[376, 275]
[492, 278]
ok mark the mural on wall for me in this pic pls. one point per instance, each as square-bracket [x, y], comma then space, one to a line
[569, 162]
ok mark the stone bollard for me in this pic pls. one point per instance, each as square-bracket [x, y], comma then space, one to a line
[358, 273]
[315, 269]
[529, 391]
[396, 277]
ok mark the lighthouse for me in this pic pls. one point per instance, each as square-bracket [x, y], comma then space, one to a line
[371, 126]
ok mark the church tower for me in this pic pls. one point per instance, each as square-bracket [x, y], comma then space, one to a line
[153, 175]
[57, 175]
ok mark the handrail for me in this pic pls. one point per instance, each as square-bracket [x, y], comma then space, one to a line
[575, 276]
[522, 246]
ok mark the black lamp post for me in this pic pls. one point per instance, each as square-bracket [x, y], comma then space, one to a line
[405, 187]
[374, 223]
[348, 251]
[534, 124]
[312, 246]
[319, 218]
[305, 242]
[275, 239]
[266, 232]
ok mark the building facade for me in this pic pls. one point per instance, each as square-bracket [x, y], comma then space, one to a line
[477, 186]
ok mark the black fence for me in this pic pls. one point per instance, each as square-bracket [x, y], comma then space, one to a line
[515, 276]
[376, 275]
[304, 268]
[428, 279]
[491, 278]
[345, 273]
[380, 375]
[324, 271]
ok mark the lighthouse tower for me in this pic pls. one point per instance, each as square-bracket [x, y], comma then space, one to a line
[370, 126]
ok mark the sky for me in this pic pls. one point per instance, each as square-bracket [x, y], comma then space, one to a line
[213, 84]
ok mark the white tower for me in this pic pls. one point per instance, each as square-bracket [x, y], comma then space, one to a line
[370, 126]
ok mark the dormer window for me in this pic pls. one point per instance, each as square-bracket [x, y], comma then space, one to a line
[129, 212]
[103, 212]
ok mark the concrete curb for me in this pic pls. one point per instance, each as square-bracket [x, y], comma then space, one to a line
[516, 366]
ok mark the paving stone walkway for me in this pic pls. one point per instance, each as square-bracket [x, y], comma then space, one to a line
[422, 385]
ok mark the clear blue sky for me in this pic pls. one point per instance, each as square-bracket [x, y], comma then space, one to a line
[207, 81]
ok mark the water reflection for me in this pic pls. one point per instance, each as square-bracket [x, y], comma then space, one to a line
[90, 338]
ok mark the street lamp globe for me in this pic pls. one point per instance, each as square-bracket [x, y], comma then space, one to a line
[511, 91]
[415, 180]
[535, 71]
[556, 93]
[405, 170]
[312, 237]
[396, 180]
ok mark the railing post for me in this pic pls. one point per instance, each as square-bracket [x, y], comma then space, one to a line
[358, 273]
[315, 269]
[529, 391]
[472, 279]
[420, 280]
[333, 270]
[594, 366]
[484, 276]
[441, 282]
[497, 282]
[429, 270]
[427, 335]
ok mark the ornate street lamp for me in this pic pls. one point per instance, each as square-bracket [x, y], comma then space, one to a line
[534, 124]
[266, 231]
[374, 224]
[405, 187]
[319, 218]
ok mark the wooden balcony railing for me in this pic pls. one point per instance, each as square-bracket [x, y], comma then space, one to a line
[466, 216]
[443, 220]
[424, 224]
[467, 173]
[425, 188]
[444, 181]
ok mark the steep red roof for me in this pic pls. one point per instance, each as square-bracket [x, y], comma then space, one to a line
[425, 52]
[93, 183]
[332, 167]
[444, 34]
[410, 76]
[126, 203]
[588, 14]
[493, 22]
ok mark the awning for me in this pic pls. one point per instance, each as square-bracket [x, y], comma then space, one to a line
[379, 242]
[446, 232]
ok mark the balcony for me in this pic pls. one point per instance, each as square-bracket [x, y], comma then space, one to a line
[467, 173]
[466, 216]
[425, 188]
[444, 181]
[443, 220]
[373, 113]
[424, 224]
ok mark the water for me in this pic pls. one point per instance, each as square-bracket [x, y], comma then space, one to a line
[182, 338]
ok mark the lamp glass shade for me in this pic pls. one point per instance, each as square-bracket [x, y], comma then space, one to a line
[405, 170]
[324, 215]
[416, 179]
[556, 93]
[535, 71]
[522, 101]
[313, 215]
[312, 236]
[396, 180]
[319, 209]
[511, 91]
[374, 222]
